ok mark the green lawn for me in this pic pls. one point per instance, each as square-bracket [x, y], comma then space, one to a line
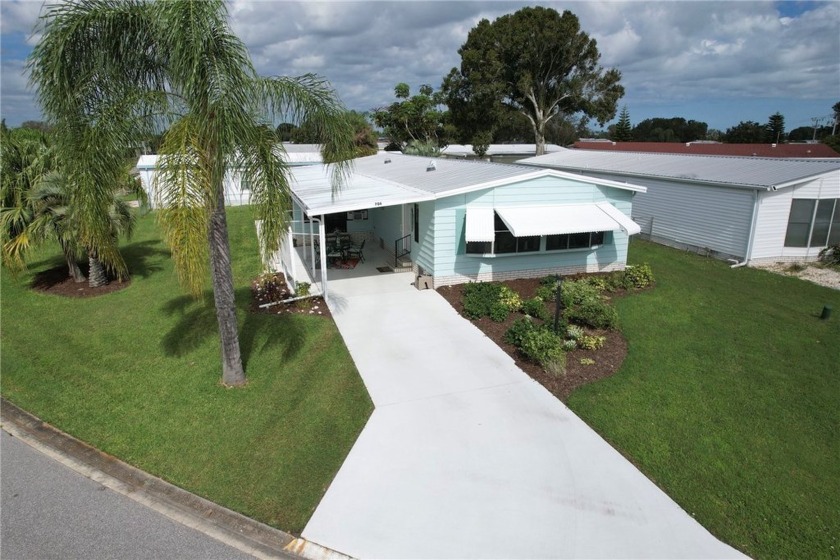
[136, 373]
[730, 400]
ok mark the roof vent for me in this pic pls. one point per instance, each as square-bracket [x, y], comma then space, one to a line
[772, 145]
[431, 166]
[388, 160]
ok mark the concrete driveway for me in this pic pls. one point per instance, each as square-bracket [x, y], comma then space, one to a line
[466, 457]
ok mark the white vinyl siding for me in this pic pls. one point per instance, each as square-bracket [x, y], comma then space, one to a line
[773, 214]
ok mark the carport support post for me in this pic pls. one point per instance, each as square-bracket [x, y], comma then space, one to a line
[323, 242]
[559, 306]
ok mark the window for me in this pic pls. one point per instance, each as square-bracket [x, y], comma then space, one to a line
[504, 242]
[813, 223]
[574, 241]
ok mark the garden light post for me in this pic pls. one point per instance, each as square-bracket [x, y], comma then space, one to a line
[559, 306]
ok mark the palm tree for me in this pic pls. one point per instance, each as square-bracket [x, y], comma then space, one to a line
[37, 206]
[108, 71]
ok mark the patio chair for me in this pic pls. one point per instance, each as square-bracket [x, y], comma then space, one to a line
[356, 251]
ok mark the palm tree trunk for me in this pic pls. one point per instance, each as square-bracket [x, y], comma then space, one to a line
[96, 275]
[72, 265]
[233, 373]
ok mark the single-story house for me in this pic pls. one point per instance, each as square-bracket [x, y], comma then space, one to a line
[456, 221]
[750, 209]
[236, 192]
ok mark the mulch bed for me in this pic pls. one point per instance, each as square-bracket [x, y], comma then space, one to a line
[273, 288]
[608, 358]
[57, 281]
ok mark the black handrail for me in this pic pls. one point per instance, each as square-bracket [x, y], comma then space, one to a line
[402, 247]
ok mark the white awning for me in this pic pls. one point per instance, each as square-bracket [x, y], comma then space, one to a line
[626, 225]
[526, 221]
[480, 224]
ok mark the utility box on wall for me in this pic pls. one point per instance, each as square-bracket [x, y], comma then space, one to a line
[423, 282]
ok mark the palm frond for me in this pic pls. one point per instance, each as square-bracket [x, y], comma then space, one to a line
[312, 99]
[181, 189]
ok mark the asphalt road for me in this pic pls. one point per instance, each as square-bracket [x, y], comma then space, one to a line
[50, 511]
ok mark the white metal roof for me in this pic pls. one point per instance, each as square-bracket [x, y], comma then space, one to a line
[497, 149]
[312, 186]
[387, 179]
[743, 172]
[294, 154]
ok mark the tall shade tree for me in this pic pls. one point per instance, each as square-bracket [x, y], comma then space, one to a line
[536, 61]
[121, 69]
[745, 132]
[414, 119]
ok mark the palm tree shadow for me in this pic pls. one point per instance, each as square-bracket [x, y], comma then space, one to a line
[143, 257]
[262, 332]
[196, 322]
[258, 333]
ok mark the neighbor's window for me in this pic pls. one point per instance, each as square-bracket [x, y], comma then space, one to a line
[813, 223]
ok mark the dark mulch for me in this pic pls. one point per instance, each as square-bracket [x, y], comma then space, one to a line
[57, 281]
[608, 358]
[273, 288]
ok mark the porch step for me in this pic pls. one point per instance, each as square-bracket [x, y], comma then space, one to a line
[404, 264]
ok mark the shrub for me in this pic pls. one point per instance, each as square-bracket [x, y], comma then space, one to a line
[591, 342]
[535, 308]
[542, 346]
[550, 280]
[303, 289]
[479, 298]
[518, 330]
[499, 312]
[638, 276]
[576, 292]
[574, 332]
[546, 293]
[509, 298]
[598, 282]
[830, 255]
[595, 313]
[569, 345]
[587, 362]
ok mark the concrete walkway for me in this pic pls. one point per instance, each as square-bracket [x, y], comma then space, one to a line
[466, 457]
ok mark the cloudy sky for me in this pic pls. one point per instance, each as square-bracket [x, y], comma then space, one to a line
[717, 62]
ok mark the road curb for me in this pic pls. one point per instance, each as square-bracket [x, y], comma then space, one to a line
[223, 524]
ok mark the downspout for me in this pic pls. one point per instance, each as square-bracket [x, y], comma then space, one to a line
[751, 239]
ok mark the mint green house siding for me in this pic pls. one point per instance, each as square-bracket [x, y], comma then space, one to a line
[452, 264]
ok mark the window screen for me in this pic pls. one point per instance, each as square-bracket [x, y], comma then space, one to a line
[822, 222]
[799, 222]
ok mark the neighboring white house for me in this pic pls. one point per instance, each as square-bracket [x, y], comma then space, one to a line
[456, 221]
[746, 208]
[236, 193]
